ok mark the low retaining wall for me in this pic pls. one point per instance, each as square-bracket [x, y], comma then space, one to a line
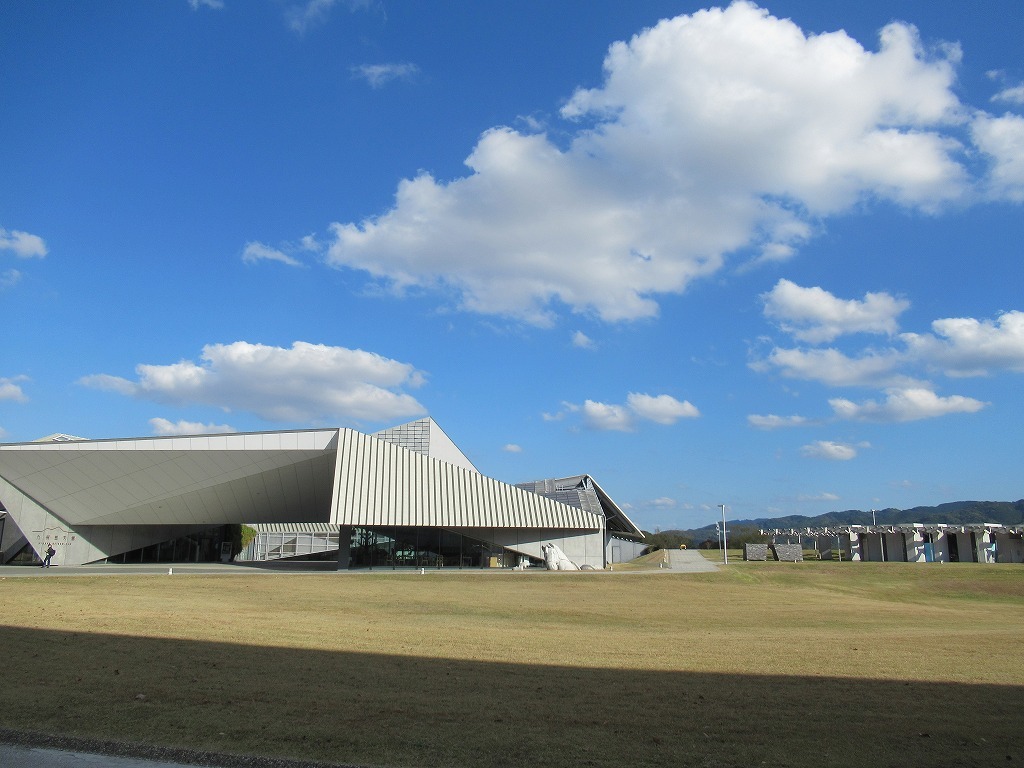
[755, 551]
[790, 553]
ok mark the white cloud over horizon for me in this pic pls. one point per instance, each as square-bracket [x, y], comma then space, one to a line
[164, 427]
[723, 131]
[306, 383]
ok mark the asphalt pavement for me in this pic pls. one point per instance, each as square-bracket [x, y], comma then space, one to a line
[35, 757]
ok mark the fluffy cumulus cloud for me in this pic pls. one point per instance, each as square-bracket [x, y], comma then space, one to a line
[512, 448]
[964, 346]
[905, 405]
[604, 416]
[581, 340]
[827, 449]
[10, 389]
[661, 409]
[1002, 140]
[164, 427]
[22, 244]
[956, 347]
[834, 368]
[1011, 95]
[306, 383]
[722, 131]
[814, 315]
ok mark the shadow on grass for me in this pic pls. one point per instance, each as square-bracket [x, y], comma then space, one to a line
[410, 711]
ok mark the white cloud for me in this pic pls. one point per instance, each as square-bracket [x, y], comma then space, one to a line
[814, 315]
[9, 278]
[1002, 139]
[379, 75]
[711, 133]
[10, 389]
[512, 448]
[305, 383]
[964, 346]
[826, 449]
[302, 17]
[661, 409]
[662, 502]
[836, 369]
[164, 427]
[255, 252]
[581, 340]
[905, 405]
[1011, 95]
[216, 5]
[818, 497]
[24, 245]
[772, 421]
[607, 417]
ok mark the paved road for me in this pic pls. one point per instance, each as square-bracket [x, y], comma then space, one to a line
[34, 757]
[689, 561]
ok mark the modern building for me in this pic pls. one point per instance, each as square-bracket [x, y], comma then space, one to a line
[403, 497]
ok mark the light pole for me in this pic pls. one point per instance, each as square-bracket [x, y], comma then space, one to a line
[725, 541]
[881, 536]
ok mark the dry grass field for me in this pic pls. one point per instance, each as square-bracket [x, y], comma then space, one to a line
[758, 664]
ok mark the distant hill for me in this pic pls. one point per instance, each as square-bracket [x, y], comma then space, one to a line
[953, 513]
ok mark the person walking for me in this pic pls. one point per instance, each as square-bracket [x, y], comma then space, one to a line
[50, 552]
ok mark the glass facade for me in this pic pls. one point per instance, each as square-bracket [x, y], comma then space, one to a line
[202, 547]
[417, 547]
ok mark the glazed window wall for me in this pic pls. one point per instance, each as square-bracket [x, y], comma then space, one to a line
[400, 547]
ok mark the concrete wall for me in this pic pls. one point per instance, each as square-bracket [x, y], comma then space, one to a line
[895, 547]
[915, 547]
[582, 547]
[11, 538]
[623, 550]
[1009, 549]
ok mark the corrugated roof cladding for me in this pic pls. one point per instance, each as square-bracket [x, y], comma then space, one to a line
[379, 483]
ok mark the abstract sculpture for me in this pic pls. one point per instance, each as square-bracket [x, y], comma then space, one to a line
[555, 559]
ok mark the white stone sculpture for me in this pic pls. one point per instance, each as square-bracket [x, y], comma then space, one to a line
[555, 559]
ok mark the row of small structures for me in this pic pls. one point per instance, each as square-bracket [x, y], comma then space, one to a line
[906, 543]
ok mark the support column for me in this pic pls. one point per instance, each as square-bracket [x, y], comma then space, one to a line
[344, 547]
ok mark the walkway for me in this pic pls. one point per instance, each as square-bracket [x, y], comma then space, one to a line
[689, 561]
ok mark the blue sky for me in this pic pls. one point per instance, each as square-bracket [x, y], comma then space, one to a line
[761, 256]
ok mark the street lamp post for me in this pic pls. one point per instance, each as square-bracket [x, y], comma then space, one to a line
[881, 536]
[725, 541]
